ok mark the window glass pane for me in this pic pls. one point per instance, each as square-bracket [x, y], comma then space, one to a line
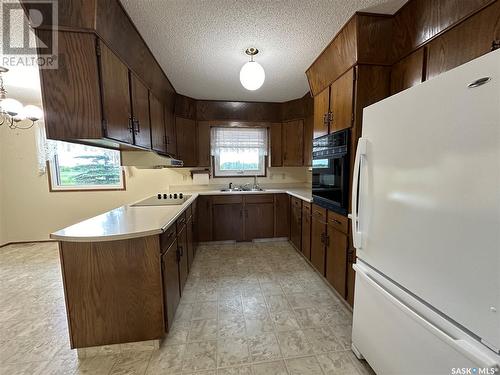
[238, 160]
[239, 151]
[86, 166]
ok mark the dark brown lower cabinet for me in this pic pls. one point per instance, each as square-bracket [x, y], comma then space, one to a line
[171, 287]
[190, 242]
[182, 249]
[203, 216]
[336, 259]
[227, 218]
[318, 236]
[282, 215]
[296, 223]
[259, 216]
[306, 230]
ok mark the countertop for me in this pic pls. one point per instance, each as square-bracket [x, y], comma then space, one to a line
[131, 222]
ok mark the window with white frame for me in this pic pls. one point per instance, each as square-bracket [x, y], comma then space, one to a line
[80, 167]
[239, 151]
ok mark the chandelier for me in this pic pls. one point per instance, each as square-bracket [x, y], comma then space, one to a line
[12, 112]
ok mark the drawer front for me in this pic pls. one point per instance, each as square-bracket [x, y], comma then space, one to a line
[319, 212]
[189, 212]
[227, 199]
[167, 238]
[337, 221]
[296, 202]
[181, 221]
[259, 198]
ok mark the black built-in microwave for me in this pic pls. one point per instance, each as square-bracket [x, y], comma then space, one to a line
[330, 171]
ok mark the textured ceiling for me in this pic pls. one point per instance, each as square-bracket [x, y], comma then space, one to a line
[200, 44]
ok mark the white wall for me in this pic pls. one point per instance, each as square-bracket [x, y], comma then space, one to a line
[29, 212]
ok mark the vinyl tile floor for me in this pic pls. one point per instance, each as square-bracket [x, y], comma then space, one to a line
[247, 308]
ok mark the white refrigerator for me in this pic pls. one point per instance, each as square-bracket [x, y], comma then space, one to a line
[426, 226]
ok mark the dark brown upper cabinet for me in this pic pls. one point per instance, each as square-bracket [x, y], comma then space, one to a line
[187, 149]
[170, 130]
[333, 107]
[408, 72]
[468, 40]
[115, 91]
[158, 131]
[203, 129]
[71, 94]
[321, 112]
[341, 102]
[275, 136]
[293, 143]
[140, 112]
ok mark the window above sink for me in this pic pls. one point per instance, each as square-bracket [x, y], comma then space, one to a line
[239, 152]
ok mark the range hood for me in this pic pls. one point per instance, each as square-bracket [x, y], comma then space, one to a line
[148, 160]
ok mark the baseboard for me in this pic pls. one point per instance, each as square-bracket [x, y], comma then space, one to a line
[25, 242]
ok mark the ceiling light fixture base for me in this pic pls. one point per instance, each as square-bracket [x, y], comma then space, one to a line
[251, 51]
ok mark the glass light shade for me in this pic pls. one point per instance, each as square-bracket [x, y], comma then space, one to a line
[11, 106]
[252, 75]
[32, 112]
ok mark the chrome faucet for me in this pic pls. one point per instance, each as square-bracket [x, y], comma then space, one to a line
[255, 183]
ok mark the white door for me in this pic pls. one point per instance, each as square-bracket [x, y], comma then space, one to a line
[428, 214]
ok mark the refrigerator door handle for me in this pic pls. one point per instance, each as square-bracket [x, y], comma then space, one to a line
[356, 232]
[464, 347]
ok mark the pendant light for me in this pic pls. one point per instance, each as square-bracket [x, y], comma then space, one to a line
[252, 74]
[13, 112]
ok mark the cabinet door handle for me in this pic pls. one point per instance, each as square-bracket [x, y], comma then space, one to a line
[325, 121]
[181, 251]
[130, 124]
[337, 221]
[178, 255]
[138, 127]
[322, 238]
[495, 45]
[327, 240]
[330, 117]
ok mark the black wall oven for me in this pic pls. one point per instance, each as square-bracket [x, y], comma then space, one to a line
[330, 171]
